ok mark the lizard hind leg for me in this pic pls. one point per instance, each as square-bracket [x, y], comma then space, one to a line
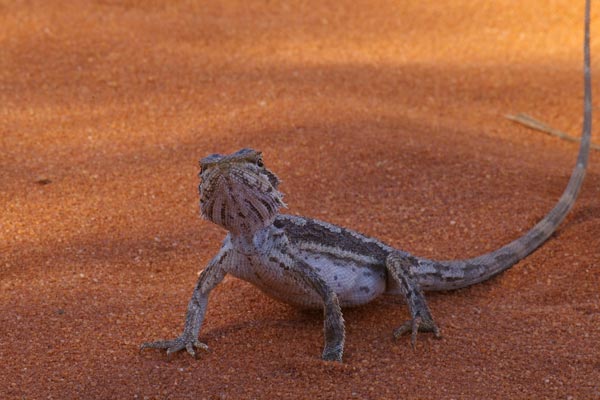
[399, 269]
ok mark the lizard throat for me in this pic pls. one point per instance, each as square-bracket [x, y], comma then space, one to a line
[240, 201]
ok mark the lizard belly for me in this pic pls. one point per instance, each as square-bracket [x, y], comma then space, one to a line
[353, 283]
[277, 283]
[273, 264]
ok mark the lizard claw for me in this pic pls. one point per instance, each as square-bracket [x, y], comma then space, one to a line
[416, 325]
[189, 347]
[175, 345]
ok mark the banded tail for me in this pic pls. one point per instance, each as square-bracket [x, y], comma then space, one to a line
[447, 275]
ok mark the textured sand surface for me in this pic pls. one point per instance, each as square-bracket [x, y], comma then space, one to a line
[383, 116]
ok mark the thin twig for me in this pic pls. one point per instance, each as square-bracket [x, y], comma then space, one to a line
[533, 123]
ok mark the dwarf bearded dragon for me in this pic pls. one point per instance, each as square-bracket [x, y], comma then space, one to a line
[314, 264]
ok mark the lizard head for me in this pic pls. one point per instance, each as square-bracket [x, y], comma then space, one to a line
[238, 192]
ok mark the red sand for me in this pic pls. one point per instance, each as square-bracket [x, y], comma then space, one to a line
[384, 116]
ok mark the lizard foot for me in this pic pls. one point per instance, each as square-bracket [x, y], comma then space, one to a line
[416, 325]
[175, 345]
[334, 354]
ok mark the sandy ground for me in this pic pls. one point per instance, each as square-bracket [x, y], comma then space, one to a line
[383, 116]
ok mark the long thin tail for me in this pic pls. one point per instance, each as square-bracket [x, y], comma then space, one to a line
[447, 275]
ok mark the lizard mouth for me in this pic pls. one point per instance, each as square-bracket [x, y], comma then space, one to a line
[239, 199]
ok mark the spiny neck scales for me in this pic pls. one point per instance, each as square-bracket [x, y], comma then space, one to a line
[238, 193]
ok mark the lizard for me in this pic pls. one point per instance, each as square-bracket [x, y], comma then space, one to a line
[314, 264]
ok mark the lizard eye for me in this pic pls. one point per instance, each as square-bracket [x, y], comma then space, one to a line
[259, 162]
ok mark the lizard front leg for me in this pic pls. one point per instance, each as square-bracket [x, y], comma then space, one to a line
[210, 277]
[399, 269]
[333, 326]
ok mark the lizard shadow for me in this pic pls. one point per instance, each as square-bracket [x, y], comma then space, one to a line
[386, 312]
[579, 216]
